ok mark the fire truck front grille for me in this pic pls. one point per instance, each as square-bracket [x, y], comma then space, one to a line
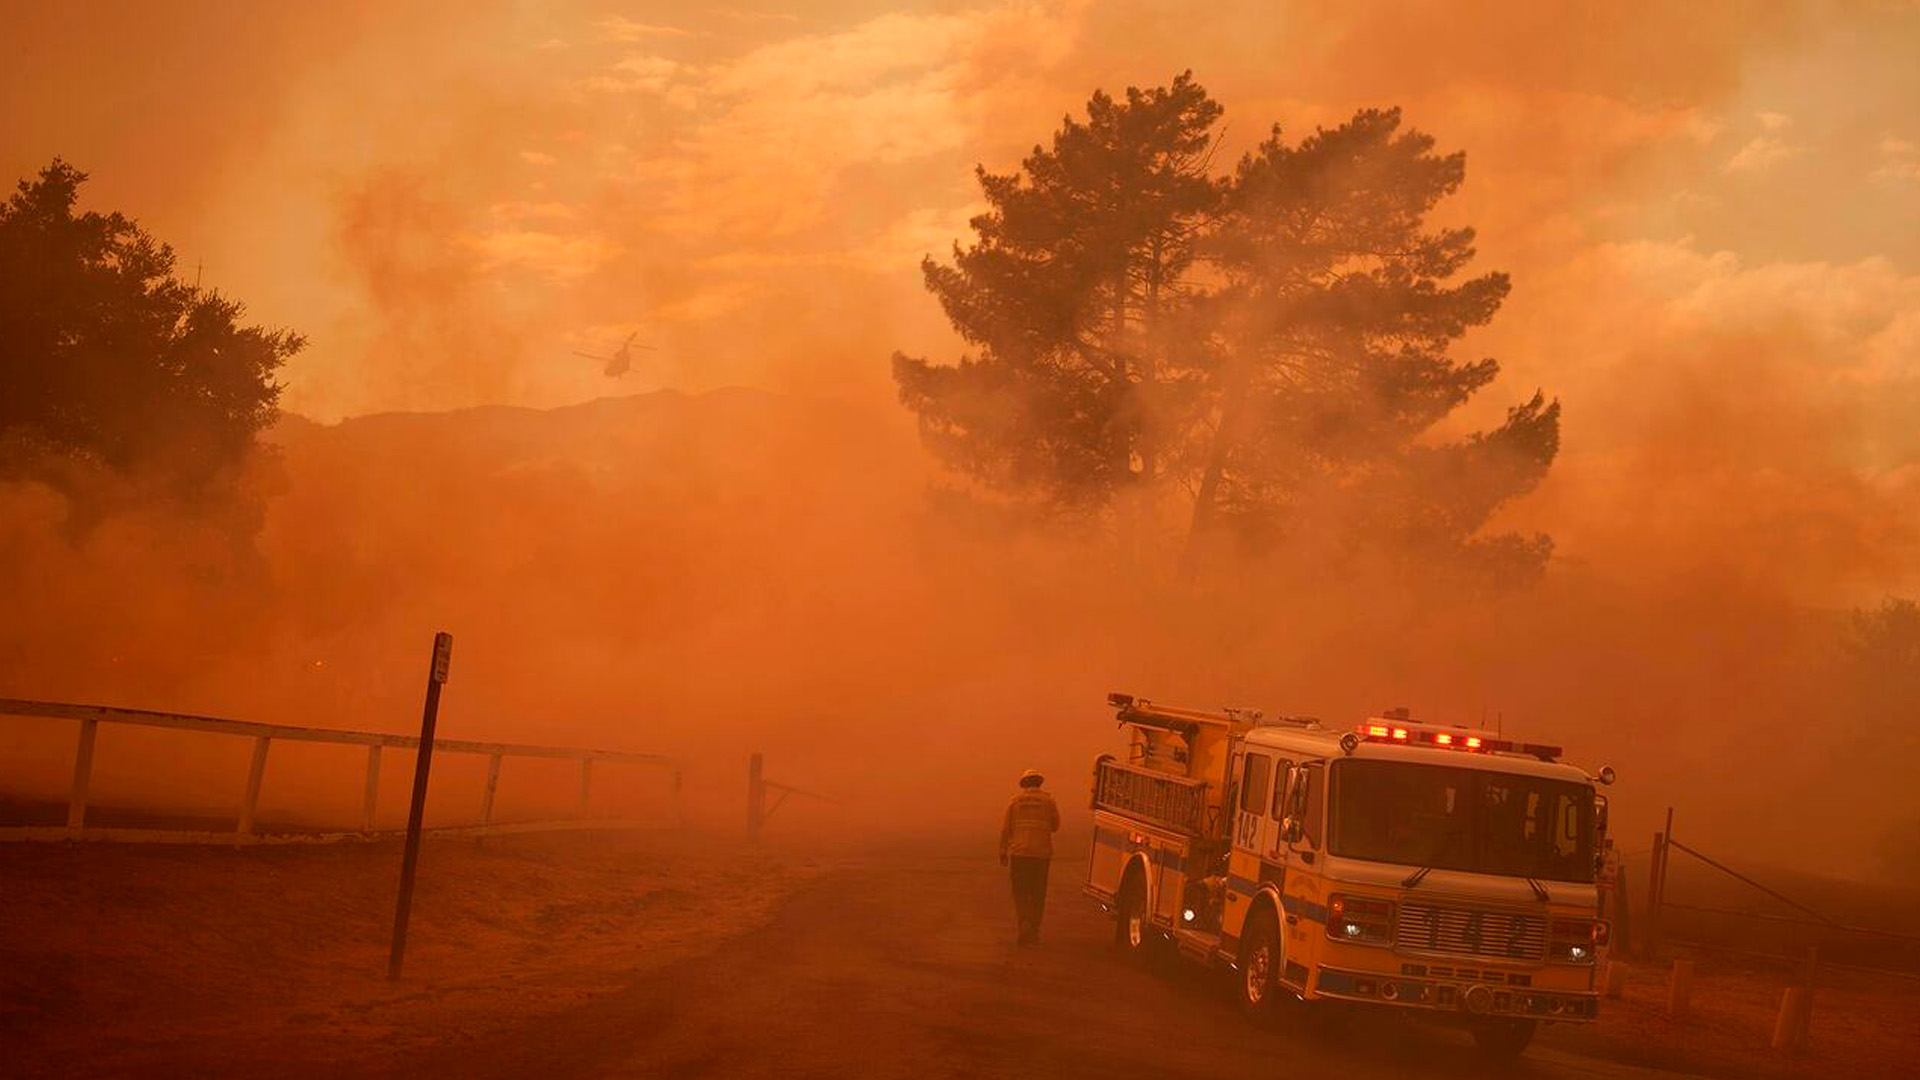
[1497, 935]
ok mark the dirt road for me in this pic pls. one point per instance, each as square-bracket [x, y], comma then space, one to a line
[908, 971]
[652, 956]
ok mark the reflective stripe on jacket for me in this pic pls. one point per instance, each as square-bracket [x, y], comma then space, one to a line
[1031, 821]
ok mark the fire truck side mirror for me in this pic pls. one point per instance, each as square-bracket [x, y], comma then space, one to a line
[1295, 824]
[1599, 818]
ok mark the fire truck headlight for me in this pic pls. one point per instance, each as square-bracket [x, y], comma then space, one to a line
[1362, 920]
[1574, 941]
[1187, 915]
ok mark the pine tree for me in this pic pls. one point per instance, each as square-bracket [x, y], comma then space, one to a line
[1275, 344]
[1072, 294]
[1336, 320]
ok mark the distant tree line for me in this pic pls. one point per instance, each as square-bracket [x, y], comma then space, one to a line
[1876, 690]
[111, 366]
[1245, 359]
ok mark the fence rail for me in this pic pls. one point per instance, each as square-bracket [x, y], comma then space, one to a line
[90, 717]
[1806, 936]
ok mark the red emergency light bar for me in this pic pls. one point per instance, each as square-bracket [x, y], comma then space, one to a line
[1399, 731]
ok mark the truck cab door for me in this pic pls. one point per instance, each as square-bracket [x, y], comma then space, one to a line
[1250, 821]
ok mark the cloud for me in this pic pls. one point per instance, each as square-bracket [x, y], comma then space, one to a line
[549, 253]
[644, 73]
[621, 28]
[1761, 153]
[522, 210]
[742, 15]
[1854, 318]
[1765, 150]
[1899, 162]
[886, 92]
[536, 158]
[904, 242]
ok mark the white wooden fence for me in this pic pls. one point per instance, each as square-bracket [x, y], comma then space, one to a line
[90, 717]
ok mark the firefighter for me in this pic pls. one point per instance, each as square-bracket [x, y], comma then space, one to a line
[1026, 849]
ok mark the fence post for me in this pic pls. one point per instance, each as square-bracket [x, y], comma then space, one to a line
[1656, 869]
[756, 798]
[493, 784]
[1790, 1029]
[586, 786]
[82, 775]
[1680, 989]
[1623, 939]
[1615, 982]
[372, 800]
[255, 775]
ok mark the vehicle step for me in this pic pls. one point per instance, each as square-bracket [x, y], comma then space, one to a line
[1199, 944]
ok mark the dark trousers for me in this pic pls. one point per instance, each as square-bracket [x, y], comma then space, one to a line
[1029, 874]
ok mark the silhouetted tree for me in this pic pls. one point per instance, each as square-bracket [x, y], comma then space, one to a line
[1335, 321]
[1880, 648]
[1071, 294]
[106, 360]
[1877, 695]
[1271, 346]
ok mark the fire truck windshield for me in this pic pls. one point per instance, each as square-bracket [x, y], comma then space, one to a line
[1449, 818]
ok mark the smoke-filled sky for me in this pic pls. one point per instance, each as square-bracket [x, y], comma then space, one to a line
[1709, 211]
[1709, 208]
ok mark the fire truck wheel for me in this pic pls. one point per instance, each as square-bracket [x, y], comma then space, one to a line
[1260, 959]
[1132, 933]
[1503, 1039]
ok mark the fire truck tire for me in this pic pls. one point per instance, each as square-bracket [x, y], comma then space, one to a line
[1133, 931]
[1503, 1039]
[1261, 955]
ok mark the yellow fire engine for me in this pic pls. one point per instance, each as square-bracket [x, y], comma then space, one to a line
[1398, 864]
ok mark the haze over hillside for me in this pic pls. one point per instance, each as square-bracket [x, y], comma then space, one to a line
[739, 570]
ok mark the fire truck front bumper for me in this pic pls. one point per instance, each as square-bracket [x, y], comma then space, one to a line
[1458, 996]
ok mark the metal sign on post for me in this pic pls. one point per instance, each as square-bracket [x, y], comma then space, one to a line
[442, 656]
[436, 677]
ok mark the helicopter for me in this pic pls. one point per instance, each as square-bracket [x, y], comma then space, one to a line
[621, 361]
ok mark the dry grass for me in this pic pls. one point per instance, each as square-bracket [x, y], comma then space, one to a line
[1864, 1026]
[112, 957]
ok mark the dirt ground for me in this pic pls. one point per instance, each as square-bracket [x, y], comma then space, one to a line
[119, 960]
[596, 957]
[1864, 1025]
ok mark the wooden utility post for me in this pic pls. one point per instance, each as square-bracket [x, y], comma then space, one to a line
[757, 787]
[756, 798]
[256, 775]
[436, 677]
[493, 785]
[371, 802]
[1657, 885]
[82, 774]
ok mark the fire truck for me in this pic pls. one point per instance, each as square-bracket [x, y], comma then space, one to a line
[1395, 865]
